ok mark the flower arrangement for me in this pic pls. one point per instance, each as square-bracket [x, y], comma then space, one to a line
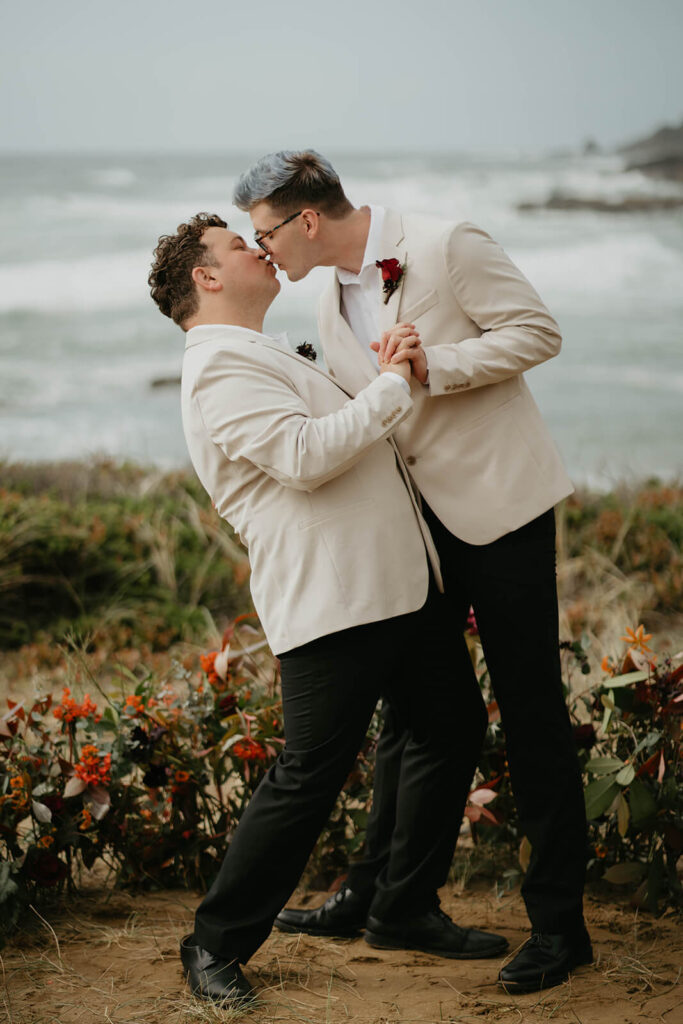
[152, 782]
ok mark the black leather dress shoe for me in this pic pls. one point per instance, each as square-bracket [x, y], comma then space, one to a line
[546, 960]
[342, 916]
[435, 933]
[209, 977]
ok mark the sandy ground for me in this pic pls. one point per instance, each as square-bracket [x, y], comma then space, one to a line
[112, 957]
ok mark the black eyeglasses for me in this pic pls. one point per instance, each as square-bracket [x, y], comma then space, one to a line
[259, 238]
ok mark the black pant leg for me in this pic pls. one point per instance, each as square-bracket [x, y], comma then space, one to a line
[382, 817]
[514, 594]
[330, 688]
[437, 694]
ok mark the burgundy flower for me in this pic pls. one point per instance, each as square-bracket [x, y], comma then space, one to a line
[392, 272]
[584, 736]
[55, 802]
[46, 868]
[155, 776]
[228, 703]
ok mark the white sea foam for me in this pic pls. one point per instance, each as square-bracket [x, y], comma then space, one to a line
[625, 269]
[110, 281]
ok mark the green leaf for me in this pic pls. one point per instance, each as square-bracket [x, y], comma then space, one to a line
[625, 873]
[642, 804]
[604, 765]
[8, 887]
[628, 679]
[626, 776]
[598, 795]
[623, 815]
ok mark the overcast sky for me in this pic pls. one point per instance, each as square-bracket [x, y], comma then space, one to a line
[359, 74]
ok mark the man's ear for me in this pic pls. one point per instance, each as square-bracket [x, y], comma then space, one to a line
[205, 280]
[311, 222]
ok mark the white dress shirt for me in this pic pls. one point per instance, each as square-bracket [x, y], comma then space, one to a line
[361, 293]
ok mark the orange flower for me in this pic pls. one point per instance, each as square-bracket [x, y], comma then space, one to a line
[601, 851]
[638, 638]
[249, 750]
[86, 820]
[16, 782]
[134, 705]
[92, 768]
[69, 711]
[606, 665]
[181, 776]
[45, 841]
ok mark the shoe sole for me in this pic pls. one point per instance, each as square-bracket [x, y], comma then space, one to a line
[341, 933]
[382, 942]
[547, 981]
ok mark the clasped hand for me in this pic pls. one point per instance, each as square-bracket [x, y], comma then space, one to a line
[400, 351]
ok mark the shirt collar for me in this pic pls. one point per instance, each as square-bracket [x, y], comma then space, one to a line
[203, 331]
[372, 247]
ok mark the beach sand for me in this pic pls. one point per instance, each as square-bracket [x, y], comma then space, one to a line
[113, 957]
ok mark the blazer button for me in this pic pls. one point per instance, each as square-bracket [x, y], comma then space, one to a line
[410, 460]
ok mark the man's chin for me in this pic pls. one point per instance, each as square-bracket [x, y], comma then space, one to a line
[295, 275]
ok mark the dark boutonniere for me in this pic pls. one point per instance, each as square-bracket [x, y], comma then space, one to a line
[306, 350]
[392, 272]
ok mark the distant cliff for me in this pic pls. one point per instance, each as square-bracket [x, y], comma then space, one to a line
[660, 154]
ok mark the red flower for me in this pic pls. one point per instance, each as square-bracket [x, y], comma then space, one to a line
[391, 269]
[392, 272]
[249, 750]
[584, 736]
[228, 703]
[46, 868]
[93, 769]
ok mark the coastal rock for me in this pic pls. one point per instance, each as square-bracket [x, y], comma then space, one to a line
[659, 155]
[165, 382]
[626, 204]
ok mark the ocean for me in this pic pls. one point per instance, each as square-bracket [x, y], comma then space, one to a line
[82, 343]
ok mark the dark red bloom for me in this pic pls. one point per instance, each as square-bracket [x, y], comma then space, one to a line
[584, 736]
[46, 869]
[228, 703]
[391, 269]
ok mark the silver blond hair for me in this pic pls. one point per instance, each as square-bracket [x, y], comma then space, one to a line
[282, 176]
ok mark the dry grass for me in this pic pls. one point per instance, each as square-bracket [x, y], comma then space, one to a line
[115, 959]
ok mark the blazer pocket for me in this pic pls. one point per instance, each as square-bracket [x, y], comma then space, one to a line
[342, 510]
[419, 307]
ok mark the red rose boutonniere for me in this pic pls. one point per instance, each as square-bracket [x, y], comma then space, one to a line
[392, 272]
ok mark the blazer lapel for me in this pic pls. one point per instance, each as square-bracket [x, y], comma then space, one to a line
[310, 363]
[351, 366]
[392, 248]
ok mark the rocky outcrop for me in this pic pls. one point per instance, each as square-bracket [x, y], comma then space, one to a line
[627, 204]
[659, 155]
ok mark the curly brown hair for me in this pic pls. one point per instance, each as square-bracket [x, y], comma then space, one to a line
[175, 257]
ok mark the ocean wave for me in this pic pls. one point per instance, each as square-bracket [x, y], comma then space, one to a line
[628, 269]
[109, 281]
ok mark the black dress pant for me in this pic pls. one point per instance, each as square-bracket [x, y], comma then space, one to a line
[330, 688]
[511, 584]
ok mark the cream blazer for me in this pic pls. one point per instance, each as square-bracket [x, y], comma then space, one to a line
[476, 444]
[311, 482]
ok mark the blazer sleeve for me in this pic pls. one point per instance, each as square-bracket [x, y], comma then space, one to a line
[253, 412]
[518, 332]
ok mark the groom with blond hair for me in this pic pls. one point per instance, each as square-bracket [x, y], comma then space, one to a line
[488, 475]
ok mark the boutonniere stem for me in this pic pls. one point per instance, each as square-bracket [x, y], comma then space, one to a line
[392, 272]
